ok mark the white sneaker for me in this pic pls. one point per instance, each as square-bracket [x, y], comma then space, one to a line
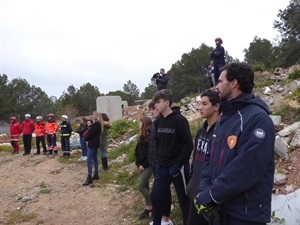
[166, 223]
[163, 222]
[84, 158]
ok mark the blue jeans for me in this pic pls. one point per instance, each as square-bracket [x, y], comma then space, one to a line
[103, 153]
[92, 157]
[83, 146]
[162, 181]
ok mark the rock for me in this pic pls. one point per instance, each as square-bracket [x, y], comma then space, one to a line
[279, 178]
[289, 129]
[267, 91]
[276, 119]
[295, 143]
[185, 100]
[281, 147]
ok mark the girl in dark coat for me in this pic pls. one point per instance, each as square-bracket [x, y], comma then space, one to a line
[93, 139]
[141, 161]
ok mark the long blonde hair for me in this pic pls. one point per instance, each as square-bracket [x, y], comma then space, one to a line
[99, 118]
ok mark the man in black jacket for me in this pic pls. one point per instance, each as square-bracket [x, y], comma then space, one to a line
[162, 79]
[217, 57]
[66, 131]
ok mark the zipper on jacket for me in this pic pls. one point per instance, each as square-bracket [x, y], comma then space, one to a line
[246, 204]
[221, 155]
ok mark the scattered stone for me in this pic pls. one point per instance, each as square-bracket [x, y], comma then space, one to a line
[279, 178]
[281, 148]
[295, 143]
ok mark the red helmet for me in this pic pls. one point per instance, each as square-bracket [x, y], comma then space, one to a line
[50, 115]
[219, 39]
[13, 118]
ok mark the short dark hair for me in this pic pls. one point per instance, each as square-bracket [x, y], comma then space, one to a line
[151, 105]
[243, 73]
[213, 96]
[164, 94]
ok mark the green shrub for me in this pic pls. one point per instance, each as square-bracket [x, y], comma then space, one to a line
[121, 127]
[294, 75]
[259, 67]
[5, 148]
[288, 113]
[195, 125]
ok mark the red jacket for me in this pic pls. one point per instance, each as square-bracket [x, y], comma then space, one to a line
[15, 130]
[28, 127]
[40, 129]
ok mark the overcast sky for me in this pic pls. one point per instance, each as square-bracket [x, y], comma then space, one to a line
[57, 43]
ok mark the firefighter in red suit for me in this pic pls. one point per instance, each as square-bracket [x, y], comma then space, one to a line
[15, 130]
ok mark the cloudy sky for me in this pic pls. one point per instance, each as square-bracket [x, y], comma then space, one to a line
[57, 43]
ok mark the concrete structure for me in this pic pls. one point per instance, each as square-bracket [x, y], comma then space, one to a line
[111, 105]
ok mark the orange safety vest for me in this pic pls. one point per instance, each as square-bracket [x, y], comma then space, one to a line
[40, 129]
[51, 127]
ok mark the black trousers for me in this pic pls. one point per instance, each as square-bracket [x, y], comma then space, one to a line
[41, 140]
[27, 138]
[65, 144]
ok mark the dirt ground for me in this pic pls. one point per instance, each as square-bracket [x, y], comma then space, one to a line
[53, 191]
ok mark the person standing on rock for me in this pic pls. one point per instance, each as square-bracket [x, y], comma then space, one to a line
[161, 79]
[15, 129]
[209, 110]
[40, 135]
[65, 132]
[237, 178]
[51, 129]
[217, 57]
[28, 129]
[103, 140]
[93, 139]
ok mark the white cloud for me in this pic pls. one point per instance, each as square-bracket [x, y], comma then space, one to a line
[54, 44]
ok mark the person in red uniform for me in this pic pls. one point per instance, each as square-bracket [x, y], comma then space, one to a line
[40, 135]
[51, 129]
[15, 129]
[28, 128]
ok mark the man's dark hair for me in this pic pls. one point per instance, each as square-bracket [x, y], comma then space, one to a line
[243, 73]
[212, 95]
[151, 105]
[164, 94]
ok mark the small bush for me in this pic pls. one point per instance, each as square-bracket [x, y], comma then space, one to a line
[288, 113]
[294, 75]
[121, 127]
[18, 217]
[259, 67]
[5, 148]
[195, 125]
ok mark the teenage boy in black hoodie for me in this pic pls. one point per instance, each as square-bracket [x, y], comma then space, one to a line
[209, 110]
[174, 144]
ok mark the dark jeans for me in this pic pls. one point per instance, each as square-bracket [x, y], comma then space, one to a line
[40, 140]
[83, 146]
[162, 182]
[65, 144]
[92, 157]
[51, 140]
[217, 67]
[27, 138]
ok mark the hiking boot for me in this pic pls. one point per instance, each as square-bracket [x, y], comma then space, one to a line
[144, 214]
[26, 153]
[37, 153]
[88, 181]
[49, 152]
[96, 176]
[104, 163]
